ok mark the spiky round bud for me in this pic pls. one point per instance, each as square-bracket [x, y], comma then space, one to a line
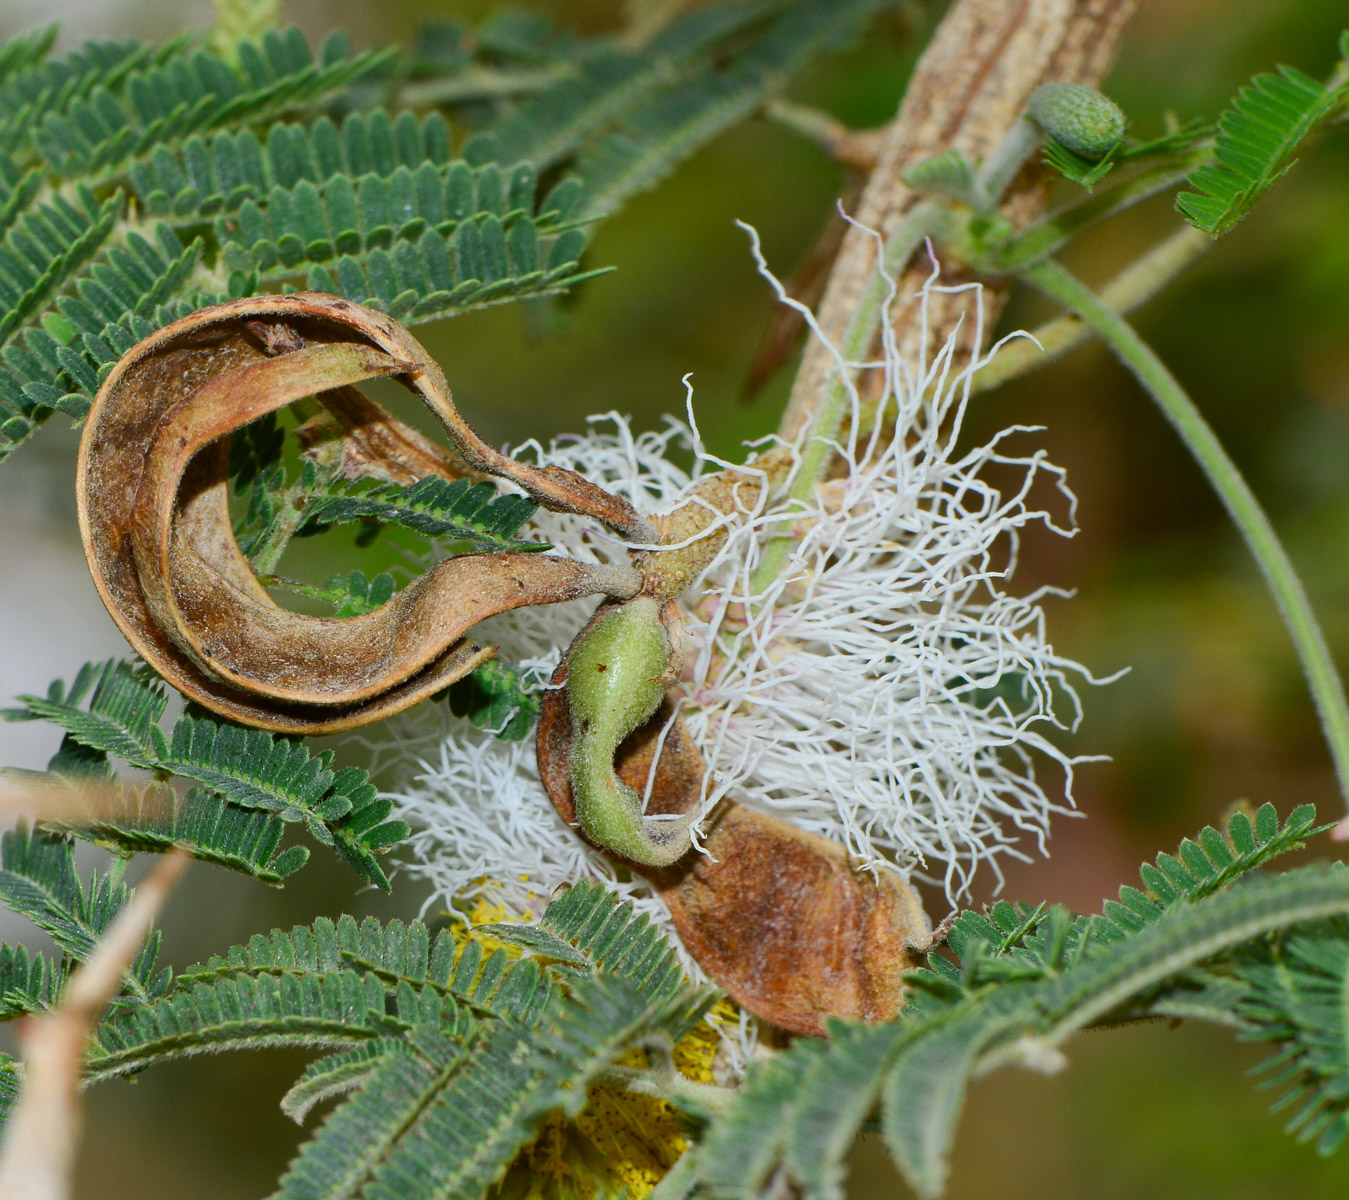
[1081, 118]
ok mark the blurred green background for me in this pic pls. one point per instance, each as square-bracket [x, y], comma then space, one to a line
[1212, 711]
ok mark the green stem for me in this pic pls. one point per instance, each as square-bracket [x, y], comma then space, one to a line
[1007, 158]
[1135, 285]
[1047, 235]
[1241, 504]
[477, 82]
[926, 220]
[703, 1101]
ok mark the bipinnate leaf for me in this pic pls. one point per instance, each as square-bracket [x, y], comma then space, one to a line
[1294, 993]
[115, 708]
[485, 981]
[337, 1074]
[205, 824]
[924, 1089]
[39, 880]
[1266, 953]
[29, 982]
[610, 937]
[1256, 141]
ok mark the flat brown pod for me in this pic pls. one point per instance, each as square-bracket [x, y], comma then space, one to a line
[153, 505]
[784, 920]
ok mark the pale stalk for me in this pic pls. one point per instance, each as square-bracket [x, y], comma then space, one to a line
[818, 449]
[1326, 687]
[967, 92]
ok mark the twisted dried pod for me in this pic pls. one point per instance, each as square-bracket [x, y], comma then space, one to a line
[154, 517]
[784, 920]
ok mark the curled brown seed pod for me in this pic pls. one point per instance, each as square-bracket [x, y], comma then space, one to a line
[784, 920]
[154, 517]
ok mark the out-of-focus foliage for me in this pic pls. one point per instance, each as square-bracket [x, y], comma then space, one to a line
[1256, 331]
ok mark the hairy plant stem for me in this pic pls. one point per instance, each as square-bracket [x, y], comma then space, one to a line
[926, 220]
[1045, 236]
[478, 82]
[664, 1081]
[1135, 285]
[1322, 678]
[1008, 157]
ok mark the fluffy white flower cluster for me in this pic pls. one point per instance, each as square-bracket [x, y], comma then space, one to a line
[882, 689]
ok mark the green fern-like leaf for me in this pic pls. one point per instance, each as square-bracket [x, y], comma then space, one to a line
[29, 983]
[1009, 943]
[33, 90]
[739, 1150]
[1046, 1012]
[1295, 995]
[400, 956]
[38, 879]
[468, 518]
[397, 1089]
[435, 276]
[100, 135]
[1257, 139]
[336, 1009]
[340, 1073]
[45, 247]
[260, 770]
[652, 137]
[77, 288]
[925, 1084]
[110, 707]
[116, 708]
[123, 296]
[454, 1055]
[214, 177]
[494, 1102]
[374, 209]
[204, 824]
[612, 938]
[608, 83]
[289, 231]
[473, 517]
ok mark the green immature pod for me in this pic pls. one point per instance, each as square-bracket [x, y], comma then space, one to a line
[617, 674]
[1081, 118]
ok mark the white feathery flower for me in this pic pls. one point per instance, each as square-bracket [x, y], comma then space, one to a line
[883, 689]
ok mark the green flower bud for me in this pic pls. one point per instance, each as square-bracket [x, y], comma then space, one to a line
[1081, 118]
[617, 674]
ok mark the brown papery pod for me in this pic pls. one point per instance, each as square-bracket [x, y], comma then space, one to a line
[152, 491]
[784, 920]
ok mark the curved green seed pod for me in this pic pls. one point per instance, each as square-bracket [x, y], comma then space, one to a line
[617, 674]
[1081, 118]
